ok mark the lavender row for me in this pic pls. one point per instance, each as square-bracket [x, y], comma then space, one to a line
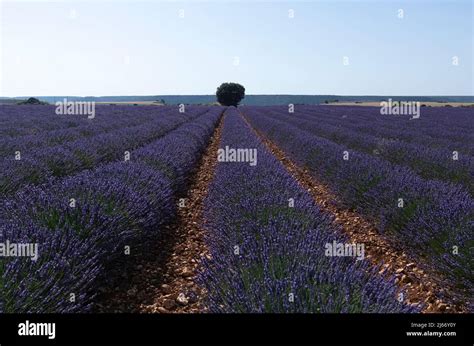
[269, 256]
[37, 166]
[433, 121]
[436, 128]
[427, 162]
[29, 120]
[429, 219]
[117, 208]
[368, 120]
[108, 118]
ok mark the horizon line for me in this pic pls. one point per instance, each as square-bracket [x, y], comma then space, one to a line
[154, 95]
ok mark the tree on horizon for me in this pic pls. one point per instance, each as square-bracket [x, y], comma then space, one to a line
[230, 94]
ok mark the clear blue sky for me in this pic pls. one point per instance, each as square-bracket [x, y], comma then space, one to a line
[145, 48]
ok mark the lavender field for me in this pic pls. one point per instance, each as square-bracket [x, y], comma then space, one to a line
[317, 209]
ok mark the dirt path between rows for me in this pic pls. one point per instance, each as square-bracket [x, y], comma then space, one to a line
[163, 280]
[418, 285]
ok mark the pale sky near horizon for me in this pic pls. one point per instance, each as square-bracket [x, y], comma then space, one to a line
[94, 48]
